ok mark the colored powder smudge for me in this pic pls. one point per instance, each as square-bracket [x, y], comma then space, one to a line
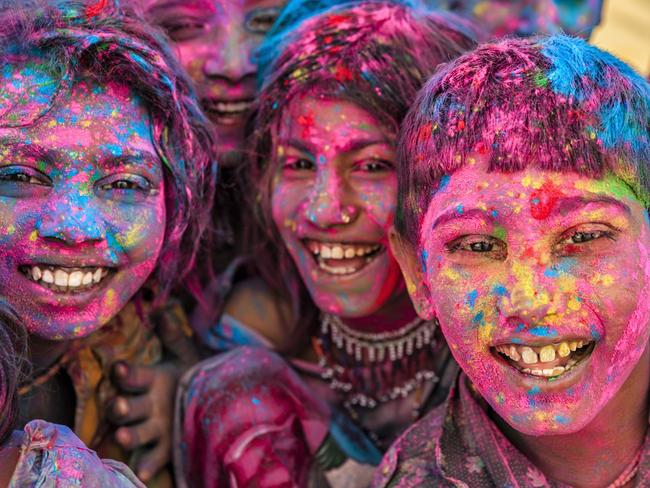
[500, 290]
[471, 298]
[542, 332]
[595, 335]
[543, 200]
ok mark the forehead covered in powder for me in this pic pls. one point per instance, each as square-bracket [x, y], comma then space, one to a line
[556, 103]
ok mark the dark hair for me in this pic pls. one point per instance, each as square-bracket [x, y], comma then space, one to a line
[375, 54]
[556, 103]
[102, 40]
[13, 367]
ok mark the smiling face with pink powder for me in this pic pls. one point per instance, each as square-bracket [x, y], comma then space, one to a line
[215, 41]
[333, 199]
[539, 281]
[82, 207]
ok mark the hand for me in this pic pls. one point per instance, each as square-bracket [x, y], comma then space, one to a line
[144, 409]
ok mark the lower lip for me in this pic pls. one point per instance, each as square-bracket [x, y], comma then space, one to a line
[556, 383]
[70, 298]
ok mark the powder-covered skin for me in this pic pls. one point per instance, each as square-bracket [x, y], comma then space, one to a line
[533, 258]
[215, 41]
[82, 187]
[336, 183]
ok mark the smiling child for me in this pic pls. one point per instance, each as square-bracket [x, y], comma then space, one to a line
[523, 227]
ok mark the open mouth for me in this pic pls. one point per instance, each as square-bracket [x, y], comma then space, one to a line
[66, 280]
[343, 258]
[549, 361]
[227, 112]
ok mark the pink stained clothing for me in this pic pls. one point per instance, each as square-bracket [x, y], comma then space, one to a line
[52, 456]
[458, 445]
[244, 418]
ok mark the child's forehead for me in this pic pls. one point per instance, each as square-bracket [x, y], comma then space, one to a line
[528, 195]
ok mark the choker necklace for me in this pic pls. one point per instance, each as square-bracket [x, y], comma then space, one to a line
[373, 368]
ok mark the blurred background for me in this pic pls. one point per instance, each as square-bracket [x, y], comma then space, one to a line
[625, 32]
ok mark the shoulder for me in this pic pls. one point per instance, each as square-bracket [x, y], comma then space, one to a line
[253, 304]
[411, 460]
[52, 455]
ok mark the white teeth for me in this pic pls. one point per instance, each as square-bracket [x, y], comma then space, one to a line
[87, 279]
[75, 278]
[337, 271]
[349, 253]
[232, 106]
[48, 277]
[337, 252]
[64, 279]
[529, 356]
[573, 345]
[547, 354]
[514, 354]
[97, 275]
[325, 252]
[60, 278]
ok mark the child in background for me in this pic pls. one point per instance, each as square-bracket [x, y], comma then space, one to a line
[523, 227]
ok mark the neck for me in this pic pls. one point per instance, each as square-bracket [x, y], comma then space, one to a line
[43, 353]
[596, 455]
[395, 313]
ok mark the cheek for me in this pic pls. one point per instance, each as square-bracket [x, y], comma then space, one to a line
[379, 200]
[138, 230]
[286, 205]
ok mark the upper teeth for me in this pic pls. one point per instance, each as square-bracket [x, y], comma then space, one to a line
[66, 277]
[341, 251]
[232, 106]
[541, 354]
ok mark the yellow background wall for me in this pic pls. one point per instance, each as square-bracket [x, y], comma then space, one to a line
[625, 32]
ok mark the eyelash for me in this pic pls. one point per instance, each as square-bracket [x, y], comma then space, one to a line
[28, 179]
[260, 21]
[299, 164]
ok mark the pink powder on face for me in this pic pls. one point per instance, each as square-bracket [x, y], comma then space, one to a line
[335, 186]
[535, 258]
[215, 41]
[81, 189]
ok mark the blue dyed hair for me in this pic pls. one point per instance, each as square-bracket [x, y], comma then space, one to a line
[556, 103]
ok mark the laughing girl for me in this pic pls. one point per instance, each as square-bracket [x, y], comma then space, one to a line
[524, 228]
[104, 166]
[357, 365]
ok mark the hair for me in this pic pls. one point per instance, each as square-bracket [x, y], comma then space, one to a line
[375, 54]
[14, 367]
[555, 103]
[103, 41]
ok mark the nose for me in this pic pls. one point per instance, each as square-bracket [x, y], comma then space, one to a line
[328, 203]
[230, 59]
[530, 296]
[71, 221]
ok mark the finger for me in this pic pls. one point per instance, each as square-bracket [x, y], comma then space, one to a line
[126, 410]
[175, 340]
[138, 435]
[153, 461]
[132, 379]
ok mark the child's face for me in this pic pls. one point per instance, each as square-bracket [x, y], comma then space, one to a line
[82, 211]
[334, 197]
[215, 41]
[540, 282]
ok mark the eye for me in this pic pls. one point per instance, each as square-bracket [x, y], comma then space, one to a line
[299, 164]
[585, 239]
[183, 29]
[478, 246]
[125, 187]
[19, 181]
[261, 20]
[374, 166]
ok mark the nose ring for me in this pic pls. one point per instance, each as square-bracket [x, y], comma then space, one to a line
[345, 217]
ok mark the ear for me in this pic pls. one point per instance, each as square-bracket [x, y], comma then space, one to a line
[411, 266]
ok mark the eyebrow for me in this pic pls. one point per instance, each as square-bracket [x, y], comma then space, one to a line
[562, 206]
[201, 4]
[108, 159]
[354, 145]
